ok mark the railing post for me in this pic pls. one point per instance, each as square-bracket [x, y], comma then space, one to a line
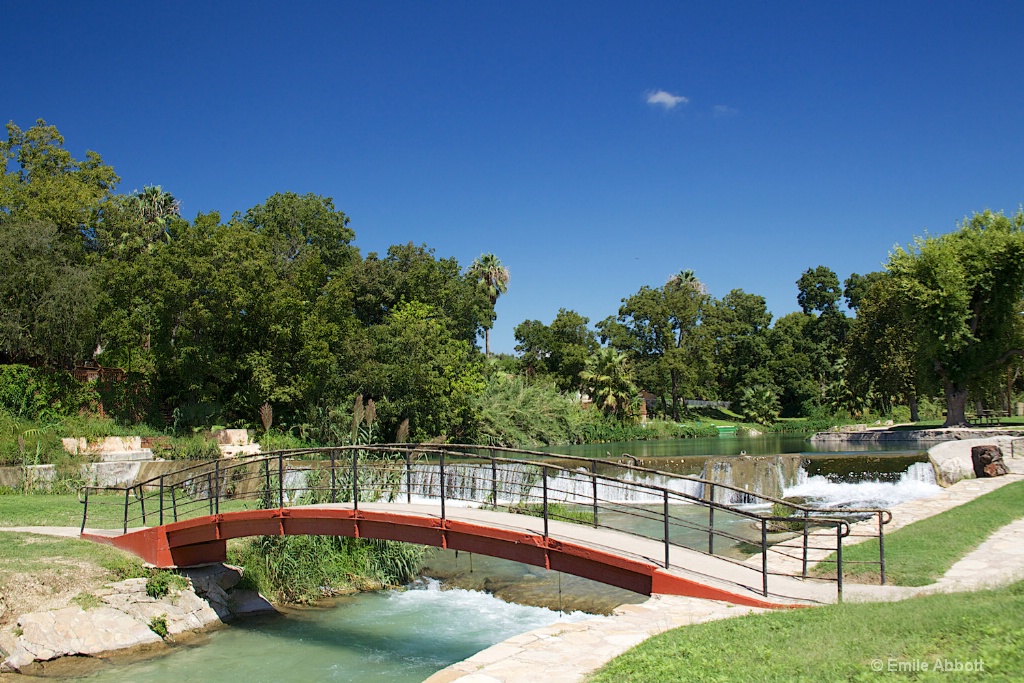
[494, 480]
[209, 490]
[334, 478]
[355, 479]
[85, 510]
[839, 561]
[216, 487]
[805, 545]
[126, 509]
[764, 555]
[544, 488]
[161, 500]
[441, 482]
[665, 513]
[881, 547]
[142, 503]
[711, 522]
[174, 504]
[408, 477]
[593, 479]
[280, 480]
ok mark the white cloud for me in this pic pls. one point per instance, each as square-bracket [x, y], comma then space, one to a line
[665, 99]
[721, 110]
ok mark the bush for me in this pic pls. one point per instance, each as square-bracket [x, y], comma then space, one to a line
[36, 394]
[158, 625]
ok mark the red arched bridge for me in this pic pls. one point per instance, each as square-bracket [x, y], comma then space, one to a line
[612, 521]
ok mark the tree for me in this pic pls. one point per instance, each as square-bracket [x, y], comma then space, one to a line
[48, 184]
[795, 363]
[413, 273]
[607, 379]
[738, 326]
[963, 291]
[759, 404]
[882, 348]
[818, 290]
[47, 297]
[493, 278]
[417, 371]
[561, 350]
[660, 330]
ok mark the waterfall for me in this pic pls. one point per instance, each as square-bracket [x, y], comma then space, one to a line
[918, 481]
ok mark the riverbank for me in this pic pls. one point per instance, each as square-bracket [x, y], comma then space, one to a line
[121, 618]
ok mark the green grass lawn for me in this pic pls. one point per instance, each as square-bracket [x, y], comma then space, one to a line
[32, 553]
[105, 512]
[847, 642]
[920, 553]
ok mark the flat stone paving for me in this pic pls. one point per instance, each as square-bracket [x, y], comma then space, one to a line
[569, 652]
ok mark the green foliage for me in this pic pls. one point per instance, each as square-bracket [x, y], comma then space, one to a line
[739, 324]
[158, 625]
[419, 372]
[492, 277]
[661, 333]
[304, 569]
[163, 582]
[47, 184]
[759, 404]
[818, 290]
[33, 394]
[514, 412]
[962, 297]
[608, 379]
[124, 566]
[560, 350]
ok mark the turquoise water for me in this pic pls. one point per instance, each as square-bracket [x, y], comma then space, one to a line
[386, 637]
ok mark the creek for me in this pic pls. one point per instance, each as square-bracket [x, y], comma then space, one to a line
[406, 635]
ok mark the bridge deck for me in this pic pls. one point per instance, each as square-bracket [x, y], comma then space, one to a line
[606, 555]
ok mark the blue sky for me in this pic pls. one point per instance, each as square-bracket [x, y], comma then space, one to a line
[595, 147]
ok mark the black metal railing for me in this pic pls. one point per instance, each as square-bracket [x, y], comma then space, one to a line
[675, 510]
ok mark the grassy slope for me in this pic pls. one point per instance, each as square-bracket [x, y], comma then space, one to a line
[839, 643]
[920, 553]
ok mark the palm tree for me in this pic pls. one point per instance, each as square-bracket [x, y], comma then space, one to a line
[607, 380]
[687, 277]
[493, 277]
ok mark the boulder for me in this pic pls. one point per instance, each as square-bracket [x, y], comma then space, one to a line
[988, 461]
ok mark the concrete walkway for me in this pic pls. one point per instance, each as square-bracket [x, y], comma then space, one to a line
[569, 652]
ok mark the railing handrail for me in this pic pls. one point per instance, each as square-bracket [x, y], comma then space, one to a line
[452, 450]
[219, 468]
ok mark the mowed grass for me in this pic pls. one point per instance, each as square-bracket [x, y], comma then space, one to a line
[920, 553]
[31, 553]
[105, 511]
[846, 642]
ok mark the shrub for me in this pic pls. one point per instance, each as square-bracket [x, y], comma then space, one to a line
[158, 625]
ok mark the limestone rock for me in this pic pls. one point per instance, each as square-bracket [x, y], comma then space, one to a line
[988, 461]
[74, 631]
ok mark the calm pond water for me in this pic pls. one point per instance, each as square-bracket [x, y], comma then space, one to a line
[398, 636]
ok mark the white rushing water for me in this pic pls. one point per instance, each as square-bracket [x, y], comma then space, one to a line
[917, 482]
